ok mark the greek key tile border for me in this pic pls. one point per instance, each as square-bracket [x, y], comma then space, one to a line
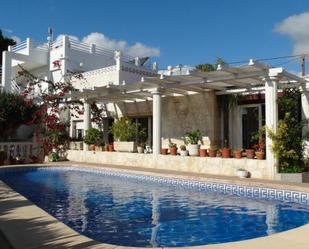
[214, 187]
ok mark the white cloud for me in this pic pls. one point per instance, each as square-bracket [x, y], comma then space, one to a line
[139, 49]
[99, 39]
[103, 41]
[297, 28]
[16, 38]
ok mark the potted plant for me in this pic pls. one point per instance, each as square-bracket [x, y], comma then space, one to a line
[111, 147]
[125, 132]
[226, 152]
[192, 139]
[53, 157]
[183, 150]
[242, 173]
[203, 152]
[258, 141]
[219, 153]
[106, 147]
[141, 140]
[237, 153]
[92, 138]
[212, 151]
[164, 151]
[99, 146]
[3, 157]
[173, 148]
[250, 153]
[260, 149]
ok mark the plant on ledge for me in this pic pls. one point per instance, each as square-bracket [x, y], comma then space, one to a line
[258, 138]
[173, 148]
[192, 139]
[124, 130]
[93, 137]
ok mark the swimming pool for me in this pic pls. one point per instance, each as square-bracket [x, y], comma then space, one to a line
[130, 210]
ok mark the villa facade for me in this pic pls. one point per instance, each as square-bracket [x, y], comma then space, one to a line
[168, 103]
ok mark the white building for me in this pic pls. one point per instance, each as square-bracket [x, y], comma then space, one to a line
[99, 66]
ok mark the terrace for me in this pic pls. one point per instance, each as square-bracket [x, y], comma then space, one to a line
[248, 79]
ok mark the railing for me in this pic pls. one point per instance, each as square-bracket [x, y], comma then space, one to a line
[15, 87]
[100, 70]
[19, 46]
[57, 44]
[23, 150]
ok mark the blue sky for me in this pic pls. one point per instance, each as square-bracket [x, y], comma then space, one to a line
[187, 32]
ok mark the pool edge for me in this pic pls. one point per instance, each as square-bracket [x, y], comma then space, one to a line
[21, 220]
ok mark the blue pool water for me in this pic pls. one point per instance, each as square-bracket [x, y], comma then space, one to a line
[128, 212]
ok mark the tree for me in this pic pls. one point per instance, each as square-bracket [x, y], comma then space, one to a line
[288, 141]
[208, 67]
[14, 111]
[5, 42]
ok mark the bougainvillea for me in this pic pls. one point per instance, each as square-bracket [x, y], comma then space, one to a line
[50, 97]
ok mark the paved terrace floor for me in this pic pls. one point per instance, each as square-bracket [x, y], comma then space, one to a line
[25, 226]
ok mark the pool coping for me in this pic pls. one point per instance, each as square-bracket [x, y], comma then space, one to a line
[27, 226]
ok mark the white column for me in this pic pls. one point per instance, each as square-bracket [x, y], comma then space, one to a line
[6, 71]
[271, 115]
[156, 121]
[87, 120]
[305, 116]
[29, 45]
[65, 53]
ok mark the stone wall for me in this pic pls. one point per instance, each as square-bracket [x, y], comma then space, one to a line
[182, 114]
[206, 165]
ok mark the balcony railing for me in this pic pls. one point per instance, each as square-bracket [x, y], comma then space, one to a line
[19, 46]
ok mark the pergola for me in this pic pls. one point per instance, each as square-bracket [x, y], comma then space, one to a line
[249, 78]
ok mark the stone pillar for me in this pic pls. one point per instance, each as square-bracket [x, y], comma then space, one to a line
[156, 121]
[87, 120]
[6, 71]
[271, 115]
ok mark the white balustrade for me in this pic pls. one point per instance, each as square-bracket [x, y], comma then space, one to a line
[22, 149]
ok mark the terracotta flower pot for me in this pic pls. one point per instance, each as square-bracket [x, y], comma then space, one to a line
[203, 152]
[250, 153]
[237, 154]
[226, 153]
[164, 151]
[212, 152]
[91, 147]
[106, 147]
[173, 151]
[111, 147]
[260, 155]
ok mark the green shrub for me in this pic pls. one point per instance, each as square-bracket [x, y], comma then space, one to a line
[93, 136]
[125, 130]
[288, 141]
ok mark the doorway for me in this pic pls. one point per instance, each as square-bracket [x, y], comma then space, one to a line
[253, 118]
